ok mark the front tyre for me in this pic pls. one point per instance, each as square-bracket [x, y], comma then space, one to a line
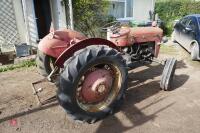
[168, 74]
[92, 83]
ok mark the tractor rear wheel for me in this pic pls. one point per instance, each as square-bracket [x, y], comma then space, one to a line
[92, 83]
[45, 63]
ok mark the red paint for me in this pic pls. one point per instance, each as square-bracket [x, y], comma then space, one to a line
[62, 44]
[129, 36]
[80, 45]
[56, 42]
[96, 86]
[13, 122]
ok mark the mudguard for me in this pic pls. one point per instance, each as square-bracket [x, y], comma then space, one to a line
[80, 45]
[56, 42]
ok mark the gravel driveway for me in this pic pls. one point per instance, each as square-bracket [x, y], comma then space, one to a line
[146, 109]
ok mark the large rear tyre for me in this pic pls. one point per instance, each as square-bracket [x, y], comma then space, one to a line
[92, 83]
[45, 63]
[168, 74]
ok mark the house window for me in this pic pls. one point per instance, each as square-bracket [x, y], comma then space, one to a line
[117, 9]
[129, 8]
[121, 8]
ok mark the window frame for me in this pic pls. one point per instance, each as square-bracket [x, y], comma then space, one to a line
[125, 7]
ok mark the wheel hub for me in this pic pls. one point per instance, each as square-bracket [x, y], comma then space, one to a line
[101, 88]
[96, 86]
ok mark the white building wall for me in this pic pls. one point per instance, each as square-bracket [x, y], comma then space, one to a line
[141, 9]
[30, 22]
[20, 20]
[138, 10]
[62, 15]
[58, 14]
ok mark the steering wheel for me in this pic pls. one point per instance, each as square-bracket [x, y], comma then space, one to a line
[113, 26]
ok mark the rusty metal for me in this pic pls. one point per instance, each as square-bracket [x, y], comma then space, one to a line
[129, 36]
[43, 85]
[52, 74]
[56, 42]
[62, 44]
[80, 45]
[96, 86]
[92, 102]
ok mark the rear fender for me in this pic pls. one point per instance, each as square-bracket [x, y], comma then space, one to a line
[80, 45]
[56, 42]
[52, 47]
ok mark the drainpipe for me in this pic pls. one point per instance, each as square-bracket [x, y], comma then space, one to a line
[71, 15]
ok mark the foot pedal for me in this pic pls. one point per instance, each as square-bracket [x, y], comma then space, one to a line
[44, 91]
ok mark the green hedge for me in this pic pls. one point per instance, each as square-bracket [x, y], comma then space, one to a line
[170, 10]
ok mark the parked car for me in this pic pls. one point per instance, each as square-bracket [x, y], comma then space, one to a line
[187, 34]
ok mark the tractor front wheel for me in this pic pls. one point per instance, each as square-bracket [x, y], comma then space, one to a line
[168, 74]
[92, 83]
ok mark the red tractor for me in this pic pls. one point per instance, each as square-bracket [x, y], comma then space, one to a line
[93, 71]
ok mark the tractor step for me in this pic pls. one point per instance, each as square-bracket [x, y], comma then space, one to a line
[44, 91]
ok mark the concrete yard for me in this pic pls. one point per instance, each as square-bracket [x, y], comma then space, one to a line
[146, 108]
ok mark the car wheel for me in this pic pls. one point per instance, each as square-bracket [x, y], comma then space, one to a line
[194, 51]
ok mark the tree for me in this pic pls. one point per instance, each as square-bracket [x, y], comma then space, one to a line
[170, 10]
[90, 15]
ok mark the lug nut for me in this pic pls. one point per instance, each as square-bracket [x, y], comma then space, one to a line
[101, 88]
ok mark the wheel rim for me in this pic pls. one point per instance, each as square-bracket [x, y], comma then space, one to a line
[87, 95]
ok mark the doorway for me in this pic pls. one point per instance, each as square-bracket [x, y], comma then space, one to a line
[43, 17]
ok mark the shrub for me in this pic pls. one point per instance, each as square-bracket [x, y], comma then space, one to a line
[170, 10]
[90, 16]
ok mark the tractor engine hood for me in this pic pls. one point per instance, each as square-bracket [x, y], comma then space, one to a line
[128, 36]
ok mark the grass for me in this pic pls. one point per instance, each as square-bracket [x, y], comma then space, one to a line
[23, 64]
[165, 49]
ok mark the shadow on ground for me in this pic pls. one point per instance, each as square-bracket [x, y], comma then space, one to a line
[30, 111]
[139, 90]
